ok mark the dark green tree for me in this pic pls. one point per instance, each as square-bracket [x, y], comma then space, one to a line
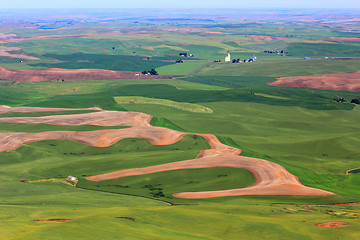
[356, 101]
[153, 72]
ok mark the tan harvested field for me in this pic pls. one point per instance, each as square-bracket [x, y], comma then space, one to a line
[103, 118]
[342, 39]
[57, 74]
[339, 82]
[271, 178]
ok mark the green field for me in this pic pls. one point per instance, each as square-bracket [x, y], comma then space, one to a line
[180, 68]
[189, 107]
[307, 131]
[162, 185]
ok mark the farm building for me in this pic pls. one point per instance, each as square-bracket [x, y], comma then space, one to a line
[71, 178]
[186, 55]
[228, 58]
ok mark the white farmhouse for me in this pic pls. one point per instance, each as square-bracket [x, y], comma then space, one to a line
[228, 58]
[71, 178]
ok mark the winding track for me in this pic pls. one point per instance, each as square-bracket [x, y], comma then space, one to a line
[271, 178]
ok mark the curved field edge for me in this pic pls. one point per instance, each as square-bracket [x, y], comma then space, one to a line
[346, 185]
[165, 123]
[267, 173]
[61, 158]
[353, 171]
[190, 107]
[163, 185]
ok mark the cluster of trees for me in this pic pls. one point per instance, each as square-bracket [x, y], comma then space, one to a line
[343, 100]
[356, 101]
[339, 99]
[155, 191]
[291, 36]
[186, 55]
[278, 52]
[240, 61]
[151, 72]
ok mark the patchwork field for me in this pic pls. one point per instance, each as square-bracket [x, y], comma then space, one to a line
[204, 150]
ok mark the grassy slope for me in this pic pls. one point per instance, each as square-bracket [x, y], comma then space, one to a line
[96, 61]
[60, 158]
[323, 141]
[180, 68]
[189, 107]
[162, 185]
[283, 68]
[97, 213]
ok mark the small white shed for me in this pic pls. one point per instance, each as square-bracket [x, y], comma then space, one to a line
[71, 178]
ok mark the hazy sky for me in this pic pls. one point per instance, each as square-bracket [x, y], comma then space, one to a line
[180, 4]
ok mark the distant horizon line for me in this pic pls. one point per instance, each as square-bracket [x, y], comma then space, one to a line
[244, 8]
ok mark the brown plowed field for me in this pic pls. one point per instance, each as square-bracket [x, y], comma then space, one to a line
[271, 178]
[339, 82]
[100, 138]
[56, 74]
[103, 118]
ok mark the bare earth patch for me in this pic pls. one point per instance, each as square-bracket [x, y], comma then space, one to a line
[58, 74]
[222, 33]
[332, 224]
[339, 82]
[102, 118]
